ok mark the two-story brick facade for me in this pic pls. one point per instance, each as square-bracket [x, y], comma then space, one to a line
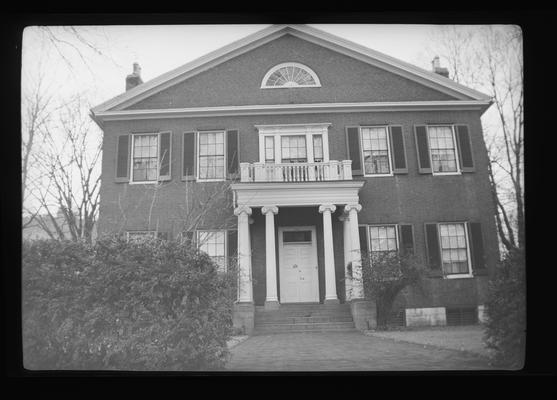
[328, 148]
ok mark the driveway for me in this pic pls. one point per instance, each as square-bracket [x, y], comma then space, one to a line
[344, 351]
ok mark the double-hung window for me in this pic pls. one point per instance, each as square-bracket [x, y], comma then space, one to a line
[269, 149]
[293, 149]
[211, 161]
[214, 244]
[383, 239]
[442, 147]
[454, 249]
[145, 159]
[376, 151]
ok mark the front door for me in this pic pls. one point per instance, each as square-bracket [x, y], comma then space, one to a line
[298, 265]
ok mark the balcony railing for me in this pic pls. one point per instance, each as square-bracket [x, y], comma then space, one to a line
[296, 172]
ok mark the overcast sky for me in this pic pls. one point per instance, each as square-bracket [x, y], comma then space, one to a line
[159, 49]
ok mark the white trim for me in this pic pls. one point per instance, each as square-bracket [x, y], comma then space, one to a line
[391, 173]
[268, 34]
[468, 259]
[286, 109]
[307, 130]
[281, 229]
[458, 170]
[156, 180]
[290, 64]
[197, 155]
[257, 194]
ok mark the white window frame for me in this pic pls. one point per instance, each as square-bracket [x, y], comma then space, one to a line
[457, 159]
[368, 234]
[225, 233]
[277, 131]
[469, 261]
[134, 135]
[146, 233]
[290, 64]
[225, 144]
[391, 173]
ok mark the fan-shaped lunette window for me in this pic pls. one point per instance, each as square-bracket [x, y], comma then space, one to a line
[290, 75]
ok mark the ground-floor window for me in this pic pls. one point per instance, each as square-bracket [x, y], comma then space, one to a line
[213, 243]
[383, 239]
[454, 249]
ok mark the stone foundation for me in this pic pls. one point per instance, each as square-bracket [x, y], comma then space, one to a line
[243, 317]
[426, 316]
[364, 314]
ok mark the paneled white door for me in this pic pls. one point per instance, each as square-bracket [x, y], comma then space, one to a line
[299, 280]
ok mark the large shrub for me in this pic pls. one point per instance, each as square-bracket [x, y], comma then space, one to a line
[506, 311]
[385, 275]
[149, 305]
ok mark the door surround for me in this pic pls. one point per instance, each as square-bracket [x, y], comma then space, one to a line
[281, 229]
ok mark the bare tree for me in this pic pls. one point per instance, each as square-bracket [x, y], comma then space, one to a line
[490, 59]
[70, 160]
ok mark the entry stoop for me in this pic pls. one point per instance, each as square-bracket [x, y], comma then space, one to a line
[304, 318]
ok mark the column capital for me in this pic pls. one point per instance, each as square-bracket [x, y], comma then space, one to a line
[242, 209]
[350, 207]
[327, 207]
[269, 209]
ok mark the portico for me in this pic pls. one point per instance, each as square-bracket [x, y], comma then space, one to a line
[290, 260]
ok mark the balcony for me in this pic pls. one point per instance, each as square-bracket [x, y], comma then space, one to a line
[296, 172]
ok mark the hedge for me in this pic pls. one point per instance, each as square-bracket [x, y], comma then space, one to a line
[114, 305]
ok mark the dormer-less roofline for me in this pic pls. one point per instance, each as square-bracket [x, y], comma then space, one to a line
[304, 32]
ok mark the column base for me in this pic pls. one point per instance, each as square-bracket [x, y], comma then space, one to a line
[272, 305]
[243, 317]
[364, 314]
[331, 301]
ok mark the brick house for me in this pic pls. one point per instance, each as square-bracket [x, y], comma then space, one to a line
[322, 148]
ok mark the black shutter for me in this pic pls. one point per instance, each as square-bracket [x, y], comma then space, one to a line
[433, 249]
[165, 155]
[362, 230]
[353, 147]
[398, 152]
[233, 147]
[188, 156]
[422, 147]
[123, 158]
[232, 246]
[476, 248]
[465, 148]
[406, 236]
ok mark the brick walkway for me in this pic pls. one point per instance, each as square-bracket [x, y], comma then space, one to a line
[343, 351]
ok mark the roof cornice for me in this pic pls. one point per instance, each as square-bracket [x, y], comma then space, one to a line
[286, 109]
[273, 32]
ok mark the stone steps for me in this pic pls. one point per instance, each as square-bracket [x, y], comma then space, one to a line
[304, 318]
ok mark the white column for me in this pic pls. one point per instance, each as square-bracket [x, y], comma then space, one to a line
[357, 283]
[347, 255]
[270, 254]
[245, 290]
[330, 281]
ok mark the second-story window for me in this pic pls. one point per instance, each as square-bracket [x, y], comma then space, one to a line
[145, 157]
[293, 149]
[211, 156]
[318, 148]
[375, 146]
[269, 149]
[442, 148]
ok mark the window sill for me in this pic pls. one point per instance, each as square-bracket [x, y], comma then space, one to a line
[144, 182]
[211, 180]
[459, 276]
[446, 173]
[377, 175]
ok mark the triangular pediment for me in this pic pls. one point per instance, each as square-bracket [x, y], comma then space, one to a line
[385, 78]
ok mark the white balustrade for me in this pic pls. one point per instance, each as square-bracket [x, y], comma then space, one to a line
[296, 172]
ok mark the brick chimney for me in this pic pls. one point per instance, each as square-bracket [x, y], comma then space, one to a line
[134, 79]
[436, 67]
